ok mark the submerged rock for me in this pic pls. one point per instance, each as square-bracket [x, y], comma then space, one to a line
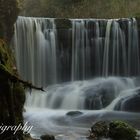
[74, 113]
[99, 96]
[47, 137]
[130, 103]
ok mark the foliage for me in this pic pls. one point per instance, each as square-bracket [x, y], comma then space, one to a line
[82, 8]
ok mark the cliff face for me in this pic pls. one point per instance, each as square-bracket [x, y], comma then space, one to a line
[8, 14]
[12, 95]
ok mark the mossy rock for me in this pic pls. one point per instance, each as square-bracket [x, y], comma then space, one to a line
[99, 130]
[116, 130]
[6, 57]
[119, 130]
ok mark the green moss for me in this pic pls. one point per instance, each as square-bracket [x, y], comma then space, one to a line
[116, 130]
[12, 95]
[121, 131]
[6, 57]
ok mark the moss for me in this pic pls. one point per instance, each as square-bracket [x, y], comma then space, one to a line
[6, 57]
[12, 95]
[121, 131]
[116, 130]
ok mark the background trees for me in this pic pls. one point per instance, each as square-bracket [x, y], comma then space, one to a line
[82, 8]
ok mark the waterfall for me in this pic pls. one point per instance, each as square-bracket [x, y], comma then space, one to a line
[35, 49]
[89, 69]
[99, 48]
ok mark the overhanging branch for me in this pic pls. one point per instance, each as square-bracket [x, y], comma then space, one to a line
[14, 78]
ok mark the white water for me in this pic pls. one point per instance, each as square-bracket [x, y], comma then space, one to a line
[36, 56]
[98, 48]
[73, 95]
[62, 111]
[94, 48]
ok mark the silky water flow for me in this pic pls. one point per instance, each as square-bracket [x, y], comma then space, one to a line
[90, 72]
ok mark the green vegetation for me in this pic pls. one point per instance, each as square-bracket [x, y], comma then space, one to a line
[82, 8]
[12, 95]
[121, 131]
[116, 130]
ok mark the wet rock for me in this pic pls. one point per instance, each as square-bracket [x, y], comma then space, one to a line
[98, 130]
[98, 97]
[119, 130]
[115, 130]
[47, 137]
[130, 103]
[74, 113]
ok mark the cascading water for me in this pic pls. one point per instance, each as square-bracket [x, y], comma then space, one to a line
[36, 55]
[90, 69]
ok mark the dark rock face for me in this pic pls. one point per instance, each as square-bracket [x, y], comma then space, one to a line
[130, 103]
[98, 98]
[12, 95]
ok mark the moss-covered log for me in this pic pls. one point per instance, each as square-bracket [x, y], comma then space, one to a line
[116, 130]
